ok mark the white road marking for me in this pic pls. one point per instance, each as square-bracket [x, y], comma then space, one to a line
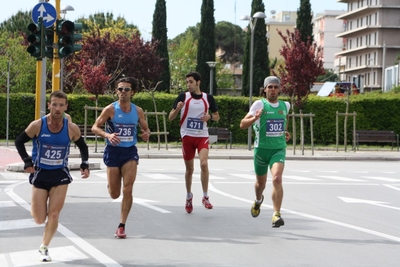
[85, 246]
[31, 257]
[213, 177]
[244, 176]
[5, 204]
[369, 202]
[299, 178]
[15, 175]
[393, 187]
[144, 202]
[386, 179]
[339, 178]
[158, 176]
[361, 229]
[18, 224]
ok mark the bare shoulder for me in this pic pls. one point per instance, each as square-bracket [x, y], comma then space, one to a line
[139, 109]
[33, 128]
[73, 127]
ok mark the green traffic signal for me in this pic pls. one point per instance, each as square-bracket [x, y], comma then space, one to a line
[36, 39]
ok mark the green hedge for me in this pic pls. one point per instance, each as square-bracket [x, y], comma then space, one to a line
[374, 111]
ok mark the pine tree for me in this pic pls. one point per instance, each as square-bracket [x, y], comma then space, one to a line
[206, 45]
[304, 21]
[260, 53]
[160, 35]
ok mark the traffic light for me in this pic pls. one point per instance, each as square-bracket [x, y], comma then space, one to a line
[36, 39]
[65, 31]
[67, 37]
[49, 40]
[76, 37]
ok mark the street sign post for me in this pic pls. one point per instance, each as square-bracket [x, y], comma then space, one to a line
[47, 12]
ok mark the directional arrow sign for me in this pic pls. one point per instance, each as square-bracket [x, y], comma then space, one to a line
[47, 12]
[370, 202]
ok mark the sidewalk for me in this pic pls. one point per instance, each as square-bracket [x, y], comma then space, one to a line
[9, 156]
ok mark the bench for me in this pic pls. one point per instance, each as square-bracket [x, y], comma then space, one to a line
[220, 134]
[377, 136]
[86, 132]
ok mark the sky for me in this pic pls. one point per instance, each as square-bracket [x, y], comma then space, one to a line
[181, 14]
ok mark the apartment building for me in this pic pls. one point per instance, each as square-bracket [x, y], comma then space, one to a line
[326, 27]
[282, 21]
[372, 41]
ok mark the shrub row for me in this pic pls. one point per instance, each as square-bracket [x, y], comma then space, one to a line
[375, 111]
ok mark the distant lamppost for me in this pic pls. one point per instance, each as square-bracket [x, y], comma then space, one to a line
[257, 15]
[212, 65]
[64, 10]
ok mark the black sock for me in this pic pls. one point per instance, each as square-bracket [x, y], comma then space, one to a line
[121, 225]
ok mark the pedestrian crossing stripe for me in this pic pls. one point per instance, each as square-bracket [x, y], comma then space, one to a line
[6, 204]
[340, 178]
[31, 257]
[382, 178]
[18, 224]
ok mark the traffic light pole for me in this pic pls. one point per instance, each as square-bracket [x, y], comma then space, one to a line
[56, 60]
[40, 101]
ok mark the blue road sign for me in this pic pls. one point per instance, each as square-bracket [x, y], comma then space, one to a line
[47, 12]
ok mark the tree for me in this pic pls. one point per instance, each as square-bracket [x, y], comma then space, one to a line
[304, 21]
[94, 77]
[329, 76]
[105, 23]
[22, 65]
[160, 34]
[182, 60]
[260, 53]
[206, 45]
[230, 40]
[17, 23]
[303, 63]
[131, 57]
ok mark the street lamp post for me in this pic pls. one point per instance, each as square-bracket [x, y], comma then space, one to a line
[212, 65]
[257, 15]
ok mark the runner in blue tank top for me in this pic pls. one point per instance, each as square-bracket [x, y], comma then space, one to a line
[268, 117]
[121, 119]
[48, 166]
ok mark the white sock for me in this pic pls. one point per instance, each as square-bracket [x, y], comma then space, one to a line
[189, 195]
[205, 194]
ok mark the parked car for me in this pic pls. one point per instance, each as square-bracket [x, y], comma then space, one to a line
[338, 89]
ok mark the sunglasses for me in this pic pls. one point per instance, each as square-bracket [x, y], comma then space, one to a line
[126, 89]
[272, 86]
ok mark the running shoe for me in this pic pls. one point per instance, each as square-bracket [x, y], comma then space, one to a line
[188, 205]
[120, 233]
[277, 220]
[255, 209]
[206, 203]
[44, 254]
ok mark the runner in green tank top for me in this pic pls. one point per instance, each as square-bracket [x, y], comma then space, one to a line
[269, 117]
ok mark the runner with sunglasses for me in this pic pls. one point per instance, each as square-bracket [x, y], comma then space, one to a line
[121, 119]
[269, 118]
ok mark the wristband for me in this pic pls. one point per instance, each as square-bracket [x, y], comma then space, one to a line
[84, 165]
[28, 162]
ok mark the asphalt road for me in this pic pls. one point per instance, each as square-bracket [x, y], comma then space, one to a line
[336, 214]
